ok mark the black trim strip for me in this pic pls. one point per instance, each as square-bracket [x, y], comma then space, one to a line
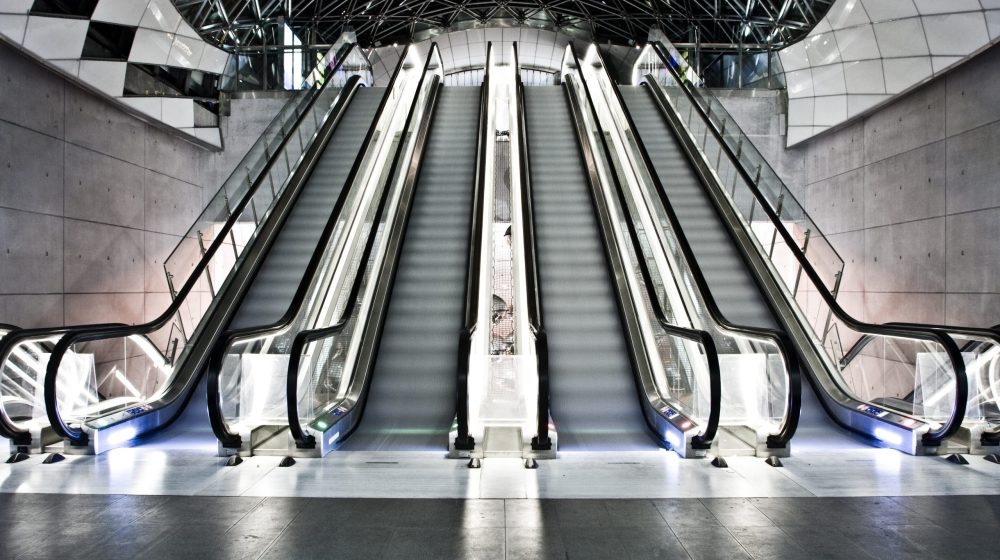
[464, 440]
[541, 441]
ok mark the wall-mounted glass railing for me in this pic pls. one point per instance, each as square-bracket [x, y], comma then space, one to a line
[759, 368]
[252, 370]
[100, 376]
[910, 389]
[677, 365]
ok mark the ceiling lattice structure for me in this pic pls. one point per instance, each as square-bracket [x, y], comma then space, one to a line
[773, 23]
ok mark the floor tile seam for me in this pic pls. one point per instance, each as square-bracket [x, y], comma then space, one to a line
[278, 535]
[260, 501]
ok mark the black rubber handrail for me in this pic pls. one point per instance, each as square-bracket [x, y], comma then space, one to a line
[464, 441]
[705, 438]
[301, 438]
[218, 353]
[778, 338]
[88, 334]
[932, 333]
[541, 441]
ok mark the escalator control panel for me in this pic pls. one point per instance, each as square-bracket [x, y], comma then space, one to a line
[876, 412]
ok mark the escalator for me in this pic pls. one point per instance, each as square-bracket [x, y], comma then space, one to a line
[297, 384]
[410, 405]
[730, 281]
[105, 386]
[901, 385]
[593, 390]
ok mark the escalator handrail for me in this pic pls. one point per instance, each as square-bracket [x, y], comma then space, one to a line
[541, 440]
[217, 354]
[463, 440]
[301, 438]
[778, 338]
[115, 330]
[978, 335]
[705, 438]
[932, 333]
[76, 435]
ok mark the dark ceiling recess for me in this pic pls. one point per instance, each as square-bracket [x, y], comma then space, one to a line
[757, 24]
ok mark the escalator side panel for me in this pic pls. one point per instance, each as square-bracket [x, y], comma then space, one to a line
[411, 401]
[280, 273]
[593, 390]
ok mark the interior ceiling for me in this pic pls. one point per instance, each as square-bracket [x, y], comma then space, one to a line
[774, 23]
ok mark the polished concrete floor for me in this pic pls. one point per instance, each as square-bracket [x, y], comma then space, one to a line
[149, 502]
[51, 526]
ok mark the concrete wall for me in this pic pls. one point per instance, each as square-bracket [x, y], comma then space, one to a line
[910, 197]
[92, 200]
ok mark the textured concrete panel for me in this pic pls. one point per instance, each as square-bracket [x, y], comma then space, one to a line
[913, 121]
[837, 204]
[973, 251]
[158, 247]
[103, 189]
[31, 248]
[32, 310]
[85, 309]
[883, 307]
[171, 205]
[169, 155]
[907, 257]
[93, 123]
[974, 94]
[30, 95]
[974, 169]
[851, 248]
[978, 310]
[31, 170]
[906, 187]
[839, 152]
[103, 258]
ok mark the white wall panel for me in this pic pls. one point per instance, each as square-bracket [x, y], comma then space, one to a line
[877, 49]
[40, 31]
[151, 47]
[122, 12]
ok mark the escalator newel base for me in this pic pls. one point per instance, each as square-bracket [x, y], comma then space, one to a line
[474, 463]
[17, 458]
[466, 444]
[530, 463]
[774, 461]
[957, 459]
[53, 458]
[720, 463]
[544, 445]
[286, 462]
[993, 458]
[234, 460]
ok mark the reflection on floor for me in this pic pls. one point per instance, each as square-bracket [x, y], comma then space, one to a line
[151, 527]
[655, 474]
